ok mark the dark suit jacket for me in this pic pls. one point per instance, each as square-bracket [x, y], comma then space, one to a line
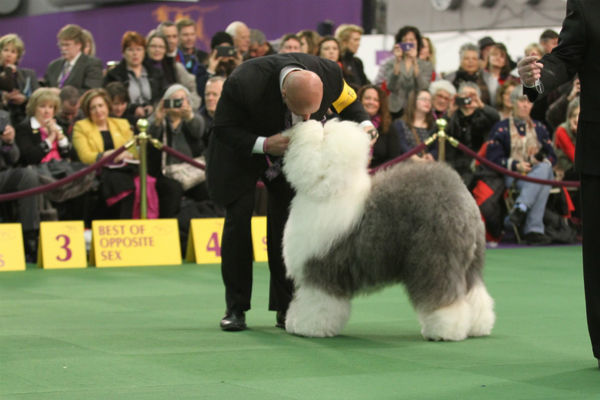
[33, 150]
[85, 74]
[250, 106]
[155, 78]
[26, 82]
[577, 52]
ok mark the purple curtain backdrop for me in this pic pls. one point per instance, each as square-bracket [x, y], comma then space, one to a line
[107, 24]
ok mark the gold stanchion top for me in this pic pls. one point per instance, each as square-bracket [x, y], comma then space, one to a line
[142, 125]
[441, 124]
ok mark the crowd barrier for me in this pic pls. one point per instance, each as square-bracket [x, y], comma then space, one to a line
[156, 242]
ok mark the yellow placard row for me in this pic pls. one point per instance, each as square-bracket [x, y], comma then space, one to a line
[118, 243]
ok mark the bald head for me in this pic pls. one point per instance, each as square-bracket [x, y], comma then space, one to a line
[303, 92]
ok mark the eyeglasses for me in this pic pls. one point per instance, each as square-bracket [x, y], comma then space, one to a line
[156, 46]
[427, 99]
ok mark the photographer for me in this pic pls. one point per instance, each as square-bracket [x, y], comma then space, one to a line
[522, 144]
[404, 72]
[177, 126]
[470, 124]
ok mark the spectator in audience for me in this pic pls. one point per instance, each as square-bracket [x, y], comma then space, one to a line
[404, 72]
[427, 53]
[144, 82]
[485, 45]
[497, 70]
[169, 30]
[416, 125]
[349, 36]
[172, 71]
[98, 136]
[68, 111]
[309, 41]
[241, 37]
[558, 109]
[387, 145]
[470, 71]
[534, 50]
[218, 65]
[442, 97]
[259, 46]
[470, 125]
[503, 101]
[89, 47]
[523, 145]
[16, 179]
[73, 67]
[564, 142]
[119, 102]
[39, 137]
[16, 83]
[212, 94]
[175, 125]
[187, 54]
[289, 43]
[45, 148]
[329, 48]
[548, 40]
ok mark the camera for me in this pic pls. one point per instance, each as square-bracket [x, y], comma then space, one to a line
[172, 103]
[225, 51]
[463, 101]
[406, 46]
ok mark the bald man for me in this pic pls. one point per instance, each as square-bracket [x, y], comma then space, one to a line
[260, 99]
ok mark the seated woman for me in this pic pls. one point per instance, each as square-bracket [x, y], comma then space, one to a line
[98, 136]
[177, 126]
[16, 83]
[522, 144]
[387, 145]
[564, 142]
[45, 147]
[144, 82]
[416, 125]
[470, 71]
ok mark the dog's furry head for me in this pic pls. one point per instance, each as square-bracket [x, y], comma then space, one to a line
[321, 161]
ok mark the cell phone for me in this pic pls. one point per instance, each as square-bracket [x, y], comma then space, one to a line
[406, 46]
[463, 101]
[225, 51]
[172, 103]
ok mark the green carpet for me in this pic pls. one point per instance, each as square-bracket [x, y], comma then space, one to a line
[152, 333]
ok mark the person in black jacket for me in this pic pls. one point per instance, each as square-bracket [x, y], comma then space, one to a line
[349, 37]
[577, 53]
[260, 99]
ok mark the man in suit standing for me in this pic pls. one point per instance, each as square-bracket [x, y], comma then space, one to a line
[73, 67]
[260, 99]
[577, 53]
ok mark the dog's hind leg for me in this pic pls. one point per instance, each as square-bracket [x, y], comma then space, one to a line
[315, 313]
[450, 323]
[482, 310]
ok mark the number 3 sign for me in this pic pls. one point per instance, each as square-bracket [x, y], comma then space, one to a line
[62, 245]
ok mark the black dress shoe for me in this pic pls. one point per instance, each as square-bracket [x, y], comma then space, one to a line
[517, 217]
[233, 321]
[280, 320]
[537, 239]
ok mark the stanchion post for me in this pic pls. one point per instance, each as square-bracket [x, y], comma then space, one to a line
[441, 123]
[142, 139]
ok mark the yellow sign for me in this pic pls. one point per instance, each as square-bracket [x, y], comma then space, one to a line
[12, 254]
[62, 245]
[204, 240]
[126, 243]
[259, 238]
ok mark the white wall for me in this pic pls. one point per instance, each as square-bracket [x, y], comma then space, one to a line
[447, 45]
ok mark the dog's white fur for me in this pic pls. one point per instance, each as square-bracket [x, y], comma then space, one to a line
[327, 166]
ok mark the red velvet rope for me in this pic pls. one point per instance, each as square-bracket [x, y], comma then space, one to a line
[400, 158]
[182, 157]
[515, 175]
[54, 185]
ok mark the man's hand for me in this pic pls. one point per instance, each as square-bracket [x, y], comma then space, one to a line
[373, 134]
[276, 145]
[530, 70]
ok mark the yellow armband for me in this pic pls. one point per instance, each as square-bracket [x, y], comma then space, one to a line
[347, 97]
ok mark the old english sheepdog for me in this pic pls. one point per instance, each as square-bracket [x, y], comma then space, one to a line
[349, 233]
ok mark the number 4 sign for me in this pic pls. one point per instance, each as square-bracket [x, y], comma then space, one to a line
[204, 240]
[62, 245]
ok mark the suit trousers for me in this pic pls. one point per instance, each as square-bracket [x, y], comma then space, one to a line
[236, 248]
[590, 194]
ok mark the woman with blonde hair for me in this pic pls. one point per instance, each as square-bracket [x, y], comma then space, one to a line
[349, 36]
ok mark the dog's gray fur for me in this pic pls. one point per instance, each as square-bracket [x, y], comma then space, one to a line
[421, 227]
